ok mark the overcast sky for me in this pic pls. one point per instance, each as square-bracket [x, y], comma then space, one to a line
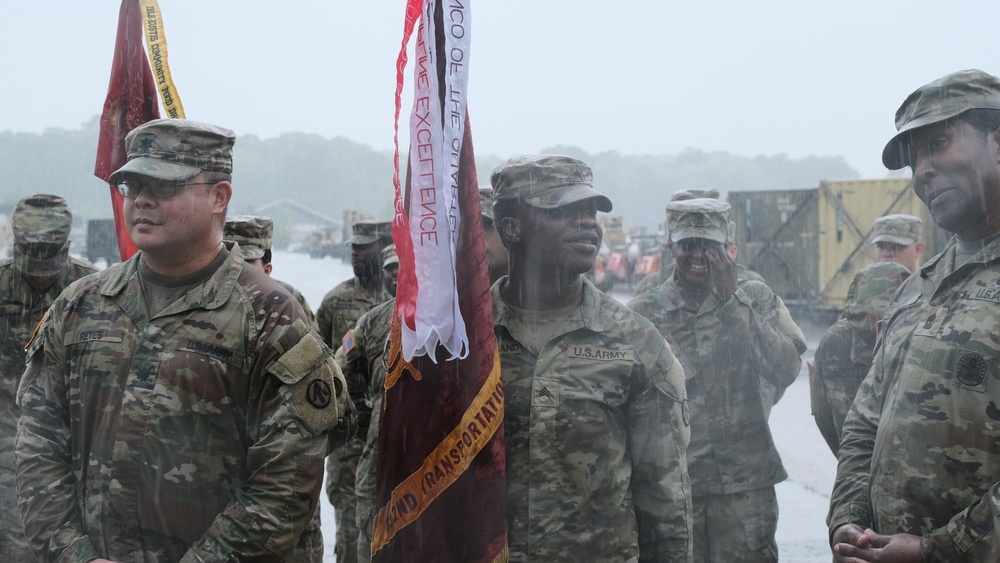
[786, 77]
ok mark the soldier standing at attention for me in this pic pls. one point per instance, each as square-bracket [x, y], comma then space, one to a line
[595, 419]
[737, 354]
[844, 355]
[340, 310]
[38, 272]
[919, 463]
[897, 239]
[177, 406]
[253, 234]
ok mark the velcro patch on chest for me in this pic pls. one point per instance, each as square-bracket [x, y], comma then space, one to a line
[599, 353]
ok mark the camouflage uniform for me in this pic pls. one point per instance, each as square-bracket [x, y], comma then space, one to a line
[595, 438]
[211, 441]
[844, 355]
[919, 453]
[655, 279]
[337, 314]
[365, 362]
[927, 407]
[41, 227]
[739, 355]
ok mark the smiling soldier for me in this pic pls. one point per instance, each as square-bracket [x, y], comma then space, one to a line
[595, 423]
[737, 352]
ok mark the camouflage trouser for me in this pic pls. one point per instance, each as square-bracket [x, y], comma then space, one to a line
[365, 513]
[736, 528]
[13, 545]
[340, 490]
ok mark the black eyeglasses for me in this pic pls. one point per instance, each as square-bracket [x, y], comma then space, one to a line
[159, 189]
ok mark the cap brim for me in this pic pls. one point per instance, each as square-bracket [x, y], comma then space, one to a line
[391, 261]
[155, 168]
[895, 155]
[252, 252]
[566, 195]
[363, 239]
[894, 240]
[710, 234]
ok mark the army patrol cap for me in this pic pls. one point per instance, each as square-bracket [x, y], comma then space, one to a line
[937, 101]
[253, 234]
[389, 255]
[705, 218]
[546, 181]
[682, 195]
[367, 232]
[486, 202]
[41, 224]
[898, 229]
[869, 293]
[176, 149]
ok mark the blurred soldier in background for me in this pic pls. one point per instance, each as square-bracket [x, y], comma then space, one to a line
[340, 310]
[845, 353]
[29, 282]
[364, 368]
[176, 406]
[736, 352]
[595, 417]
[253, 234]
[658, 277]
[897, 239]
[919, 463]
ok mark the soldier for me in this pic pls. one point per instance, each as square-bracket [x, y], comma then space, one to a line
[177, 406]
[253, 234]
[595, 410]
[39, 270]
[844, 355]
[340, 310]
[919, 462]
[737, 352]
[897, 239]
[656, 278]
[343, 305]
[364, 363]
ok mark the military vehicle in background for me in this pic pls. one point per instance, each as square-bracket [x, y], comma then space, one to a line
[809, 243]
[102, 241]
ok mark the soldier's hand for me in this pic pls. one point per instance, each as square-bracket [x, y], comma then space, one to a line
[722, 269]
[848, 535]
[896, 548]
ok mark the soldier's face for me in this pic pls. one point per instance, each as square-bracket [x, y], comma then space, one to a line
[390, 277]
[177, 226]
[905, 255]
[496, 254]
[365, 259]
[956, 173]
[692, 264]
[566, 239]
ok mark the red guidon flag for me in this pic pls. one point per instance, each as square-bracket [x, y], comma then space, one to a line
[441, 480]
[132, 93]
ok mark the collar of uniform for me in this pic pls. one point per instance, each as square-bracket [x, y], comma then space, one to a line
[590, 305]
[224, 278]
[986, 255]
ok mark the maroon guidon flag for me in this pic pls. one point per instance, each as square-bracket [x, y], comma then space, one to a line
[131, 101]
[441, 483]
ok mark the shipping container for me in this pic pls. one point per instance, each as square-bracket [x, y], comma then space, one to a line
[809, 243]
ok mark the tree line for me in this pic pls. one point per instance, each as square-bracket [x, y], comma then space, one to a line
[330, 175]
